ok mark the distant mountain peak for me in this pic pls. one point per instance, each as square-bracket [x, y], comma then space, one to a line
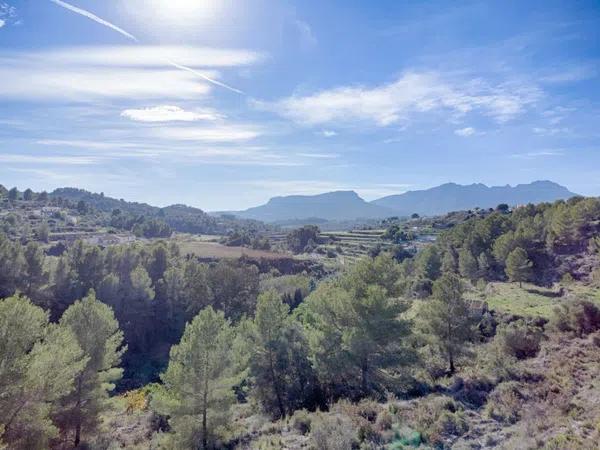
[335, 205]
[454, 197]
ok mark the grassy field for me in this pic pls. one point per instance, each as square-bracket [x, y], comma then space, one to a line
[531, 300]
[204, 247]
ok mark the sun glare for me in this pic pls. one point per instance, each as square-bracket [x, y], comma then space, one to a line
[183, 12]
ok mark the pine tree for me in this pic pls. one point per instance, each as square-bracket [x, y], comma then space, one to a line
[355, 331]
[198, 382]
[518, 266]
[445, 319]
[35, 275]
[97, 332]
[38, 366]
[467, 264]
[277, 353]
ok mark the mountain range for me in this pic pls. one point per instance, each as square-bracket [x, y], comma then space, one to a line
[348, 205]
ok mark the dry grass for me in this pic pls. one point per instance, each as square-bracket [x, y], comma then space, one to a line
[203, 248]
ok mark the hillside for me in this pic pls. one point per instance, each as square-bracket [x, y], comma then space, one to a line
[181, 218]
[455, 197]
[338, 205]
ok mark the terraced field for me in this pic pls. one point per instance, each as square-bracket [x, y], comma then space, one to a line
[352, 245]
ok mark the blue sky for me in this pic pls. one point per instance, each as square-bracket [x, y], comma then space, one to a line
[223, 104]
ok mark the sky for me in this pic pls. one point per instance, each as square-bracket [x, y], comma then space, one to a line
[222, 104]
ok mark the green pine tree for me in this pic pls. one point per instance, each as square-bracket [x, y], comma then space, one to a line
[198, 382]
[355, 331]
[97, 331]
[445, 319]
[518, 266]
[277, 354]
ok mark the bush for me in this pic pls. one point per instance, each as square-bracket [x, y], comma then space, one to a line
[384, 420]
[333, 432]
[580, 317]
[439, 417]
[301, 421]
[520, 339]
[505, 402]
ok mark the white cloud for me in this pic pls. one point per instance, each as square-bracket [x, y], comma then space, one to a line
[7, 13]
[412, 93]
[166, 58]
[150, 56]
[328, 133]
[229, 133]
[465, 132]
[57, 159]
[537, 154]
[550, 131]
[168, 113]
[319, 155]
[135, 72]
[88, 144]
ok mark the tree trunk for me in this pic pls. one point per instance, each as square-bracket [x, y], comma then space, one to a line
[77, 434]
[365, 377]
[276, 386]
[205, 412]
[204, 426]
[77, 440]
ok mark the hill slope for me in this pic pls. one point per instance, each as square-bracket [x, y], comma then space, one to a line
[455, 197]
[338, 205]
[182, 218]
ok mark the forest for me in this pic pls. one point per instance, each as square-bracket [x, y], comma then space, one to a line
[390, 352]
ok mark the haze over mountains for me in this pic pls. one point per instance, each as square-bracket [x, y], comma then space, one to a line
[348, 205]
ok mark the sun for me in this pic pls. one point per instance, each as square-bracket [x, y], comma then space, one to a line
[176, 16]
[184, 12]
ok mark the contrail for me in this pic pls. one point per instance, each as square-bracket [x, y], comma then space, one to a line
[195, 72]
[95, 18]
[130, 36]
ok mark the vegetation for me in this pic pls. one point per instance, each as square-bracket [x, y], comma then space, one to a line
[439, 348]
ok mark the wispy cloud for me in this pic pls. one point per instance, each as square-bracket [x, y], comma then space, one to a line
[54, 159]
[465, 132]
[8, 14]
[319, 155]
[147, 56]
[168, 60]
[328, 133]
[553, 131]
[229, 133]
[411, 94]
[87, 144]
[168, 113]
[537, 154]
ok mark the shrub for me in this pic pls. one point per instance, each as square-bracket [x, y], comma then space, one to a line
[439, 417]
[333, 432]
[520, 339]
[580, 317]
[301, 421]
[505, 402]
[384, 420]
